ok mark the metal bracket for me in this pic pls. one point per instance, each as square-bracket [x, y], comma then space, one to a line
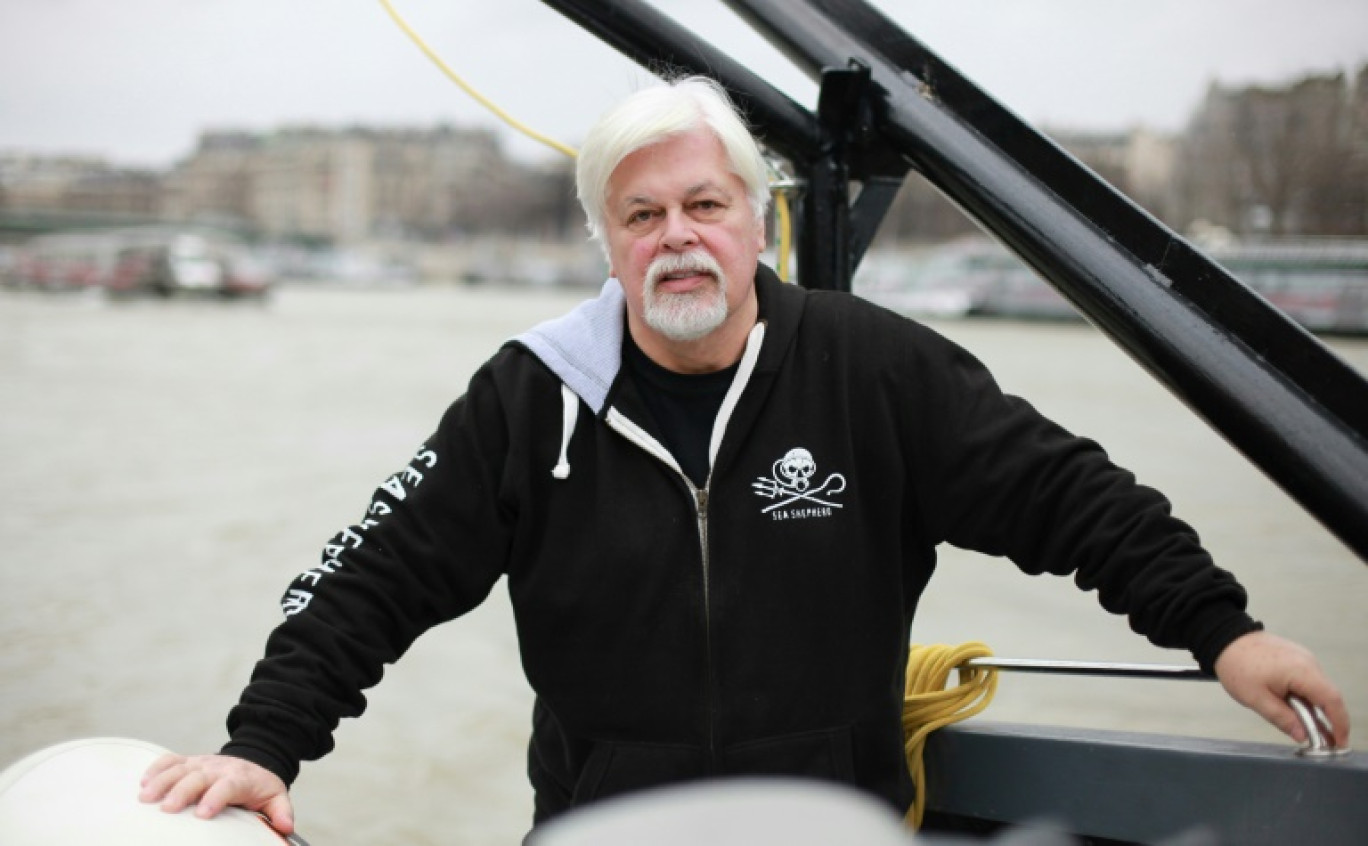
[834, 231]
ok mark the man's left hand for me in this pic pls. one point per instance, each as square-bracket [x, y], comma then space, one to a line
[1260, 670]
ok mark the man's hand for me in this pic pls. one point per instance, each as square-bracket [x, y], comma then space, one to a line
[1261, 670]
[212, 783]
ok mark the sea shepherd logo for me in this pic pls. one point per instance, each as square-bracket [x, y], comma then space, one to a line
[790, 483]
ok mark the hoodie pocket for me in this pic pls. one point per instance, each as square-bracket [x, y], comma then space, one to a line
[614, 768]
[823, 754]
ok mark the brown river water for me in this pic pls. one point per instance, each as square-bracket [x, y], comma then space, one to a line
[168, 467]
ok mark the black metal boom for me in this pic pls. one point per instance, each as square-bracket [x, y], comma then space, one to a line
[888, 104]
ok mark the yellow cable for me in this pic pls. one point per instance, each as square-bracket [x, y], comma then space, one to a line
[927, 705]
[480, 98]
[781, 208]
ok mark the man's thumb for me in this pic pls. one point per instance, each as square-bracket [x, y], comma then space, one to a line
[280, 813]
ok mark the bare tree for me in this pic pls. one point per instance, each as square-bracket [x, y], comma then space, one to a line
[1285, 161]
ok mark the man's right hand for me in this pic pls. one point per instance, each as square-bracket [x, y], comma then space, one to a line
[212, 783]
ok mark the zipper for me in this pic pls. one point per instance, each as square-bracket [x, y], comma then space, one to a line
[701, 505]
[634, 433]
[641, 438]
[710, 683]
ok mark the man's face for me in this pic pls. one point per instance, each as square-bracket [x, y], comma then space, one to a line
[682, 239]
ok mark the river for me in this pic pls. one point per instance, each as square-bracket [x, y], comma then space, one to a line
[169, 466]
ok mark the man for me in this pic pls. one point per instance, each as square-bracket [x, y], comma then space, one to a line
[716, 524]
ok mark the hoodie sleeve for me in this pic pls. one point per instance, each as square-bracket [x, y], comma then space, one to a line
[429, 547]
[1008, 481]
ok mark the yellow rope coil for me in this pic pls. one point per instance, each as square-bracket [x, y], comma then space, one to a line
[928, 705]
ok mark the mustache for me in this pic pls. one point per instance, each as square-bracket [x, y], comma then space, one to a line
[694, 261]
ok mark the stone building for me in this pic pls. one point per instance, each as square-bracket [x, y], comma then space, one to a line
[339, 185]
[67, 186]
[215, 182]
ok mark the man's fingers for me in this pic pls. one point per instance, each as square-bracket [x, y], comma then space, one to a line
[161, 765]
[1338, 713]
[156, 785]
[217, 796]
[186, 791]
[1281, 715]
[1331, 702]
[1278, 712]
[228, 791]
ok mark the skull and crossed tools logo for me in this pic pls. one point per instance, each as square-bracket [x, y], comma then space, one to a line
[791, 484]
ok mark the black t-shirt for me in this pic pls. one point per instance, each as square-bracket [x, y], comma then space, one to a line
[683, 405]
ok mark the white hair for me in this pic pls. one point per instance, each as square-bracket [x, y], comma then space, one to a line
[653, 115]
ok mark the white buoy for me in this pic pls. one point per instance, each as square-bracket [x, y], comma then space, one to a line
[86, 792]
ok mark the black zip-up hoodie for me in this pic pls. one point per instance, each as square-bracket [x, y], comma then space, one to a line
[756, 626]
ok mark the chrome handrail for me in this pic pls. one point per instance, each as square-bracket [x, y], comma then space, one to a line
[1319, 734]
[1092, 668]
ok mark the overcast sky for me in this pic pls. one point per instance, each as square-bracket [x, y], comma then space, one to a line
[137, 80]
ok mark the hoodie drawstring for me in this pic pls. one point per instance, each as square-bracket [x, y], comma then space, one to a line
[569, 414]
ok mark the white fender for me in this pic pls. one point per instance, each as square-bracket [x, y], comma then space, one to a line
[85, 792]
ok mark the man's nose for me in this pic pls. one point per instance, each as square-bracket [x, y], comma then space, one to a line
[679, 233]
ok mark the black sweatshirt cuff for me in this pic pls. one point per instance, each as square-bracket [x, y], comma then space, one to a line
[1215, 641]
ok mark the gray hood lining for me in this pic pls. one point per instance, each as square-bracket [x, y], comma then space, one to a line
[584, 346]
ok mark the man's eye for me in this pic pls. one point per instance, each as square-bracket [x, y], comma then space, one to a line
[639, 217]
